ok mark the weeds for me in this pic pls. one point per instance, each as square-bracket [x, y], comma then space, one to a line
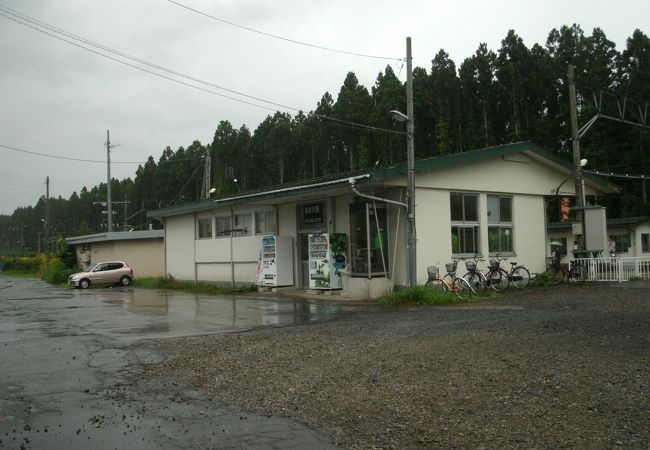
[203, 288]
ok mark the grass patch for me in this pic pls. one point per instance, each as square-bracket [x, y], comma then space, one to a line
[203, 288]
[20, 274]
[419, 295]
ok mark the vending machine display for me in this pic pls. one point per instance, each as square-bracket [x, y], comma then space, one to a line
[275, 265]
[327, 256]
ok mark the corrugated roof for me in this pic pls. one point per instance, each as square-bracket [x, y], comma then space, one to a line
[115, 236]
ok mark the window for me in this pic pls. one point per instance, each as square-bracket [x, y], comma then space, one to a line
[243, 224]
[464, 223]
[645, 242]
[499, 224]
[369, 247]
[205, 228]
[264, 222]
[223, 226]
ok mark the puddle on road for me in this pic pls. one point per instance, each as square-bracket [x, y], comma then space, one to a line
[149, 313]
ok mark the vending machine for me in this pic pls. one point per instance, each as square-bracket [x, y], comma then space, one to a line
[327, 257]
[275, 264]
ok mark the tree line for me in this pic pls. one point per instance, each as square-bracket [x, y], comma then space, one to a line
[514, 94]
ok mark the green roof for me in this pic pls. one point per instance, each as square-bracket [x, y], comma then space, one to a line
[377, 175]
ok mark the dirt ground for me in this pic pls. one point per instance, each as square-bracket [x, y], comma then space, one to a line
[565, 367]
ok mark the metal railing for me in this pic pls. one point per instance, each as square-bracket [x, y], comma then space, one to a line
[612, 268]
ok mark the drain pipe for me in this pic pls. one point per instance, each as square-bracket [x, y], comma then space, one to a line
[353, 181]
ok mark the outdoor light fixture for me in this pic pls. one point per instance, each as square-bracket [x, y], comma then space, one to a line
[399, 116]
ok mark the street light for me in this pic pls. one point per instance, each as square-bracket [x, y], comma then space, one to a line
[411, 238]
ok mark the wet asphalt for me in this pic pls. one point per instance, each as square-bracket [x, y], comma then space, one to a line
[67, 356]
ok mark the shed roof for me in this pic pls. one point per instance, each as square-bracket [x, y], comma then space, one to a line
[115, 236]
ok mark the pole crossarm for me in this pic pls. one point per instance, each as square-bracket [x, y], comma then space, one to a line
[624, 112]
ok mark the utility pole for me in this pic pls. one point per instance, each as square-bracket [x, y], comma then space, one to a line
[410, 158]
[47, 214]
[575, 139]
[109, 203]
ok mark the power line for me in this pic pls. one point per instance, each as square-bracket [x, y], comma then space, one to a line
[282, 38]
[65, 157]
[618, 175]
[35, 23]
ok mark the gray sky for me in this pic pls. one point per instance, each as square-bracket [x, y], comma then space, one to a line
[59, 99]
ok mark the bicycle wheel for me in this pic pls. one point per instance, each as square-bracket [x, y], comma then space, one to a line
[520, 277]
[498, 280]
[476, 281]
[578, 274]
[556, 274]
[462, 288]
[436, 285]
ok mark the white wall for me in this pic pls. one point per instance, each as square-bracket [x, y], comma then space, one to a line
[179, 247]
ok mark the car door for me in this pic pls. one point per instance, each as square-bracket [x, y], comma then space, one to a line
[99, 274]
[114, 272]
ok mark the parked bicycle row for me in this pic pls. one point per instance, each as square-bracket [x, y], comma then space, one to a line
[495, 277]
[475, 281]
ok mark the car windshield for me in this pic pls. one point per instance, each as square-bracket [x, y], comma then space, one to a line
[97, 268]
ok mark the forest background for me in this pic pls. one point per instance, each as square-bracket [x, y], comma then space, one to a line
[492, 98]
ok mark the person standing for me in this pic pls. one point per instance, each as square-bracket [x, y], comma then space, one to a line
[611, 246]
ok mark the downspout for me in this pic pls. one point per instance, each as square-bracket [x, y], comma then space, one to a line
[352, 181]
[232, 259]
[196, 274]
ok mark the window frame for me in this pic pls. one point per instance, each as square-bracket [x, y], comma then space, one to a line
[225, 233]
[459, 227]
[266, 213]
[246, 231]
[199, 228]
[503, 227]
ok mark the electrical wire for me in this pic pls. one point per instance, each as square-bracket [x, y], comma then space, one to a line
[617, 175]
[66, 157]
[34, 24]
[282, 38]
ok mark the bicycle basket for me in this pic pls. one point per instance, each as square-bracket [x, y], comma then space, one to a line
[433, 272]
[451, 267]
[471, 265]
[495, 264]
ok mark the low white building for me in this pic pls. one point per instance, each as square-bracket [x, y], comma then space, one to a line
[482, 202]
[142, 250]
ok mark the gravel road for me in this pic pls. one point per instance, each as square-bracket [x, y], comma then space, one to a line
[565, 367]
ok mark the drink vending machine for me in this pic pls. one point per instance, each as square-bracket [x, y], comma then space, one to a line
[275, 263]
[327, 257]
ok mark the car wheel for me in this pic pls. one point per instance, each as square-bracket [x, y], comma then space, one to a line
[84, 284]
[125, 281]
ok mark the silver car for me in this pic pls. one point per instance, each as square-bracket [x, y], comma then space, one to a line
[111, 272]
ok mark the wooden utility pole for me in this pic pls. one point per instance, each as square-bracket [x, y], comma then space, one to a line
[47, 214]
[109, 204]
[577, 165]
[410, 157]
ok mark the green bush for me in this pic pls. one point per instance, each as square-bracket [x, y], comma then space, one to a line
[544, 280]
[56, 272]
[26, 264]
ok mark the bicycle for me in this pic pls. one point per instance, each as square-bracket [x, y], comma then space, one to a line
[456, 285]
[477, 280]
[519, 276]
[577, 272]
[497, 277]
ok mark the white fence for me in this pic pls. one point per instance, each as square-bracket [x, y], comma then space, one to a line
[616, 269]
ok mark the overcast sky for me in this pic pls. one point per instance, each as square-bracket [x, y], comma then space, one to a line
[59, 99]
